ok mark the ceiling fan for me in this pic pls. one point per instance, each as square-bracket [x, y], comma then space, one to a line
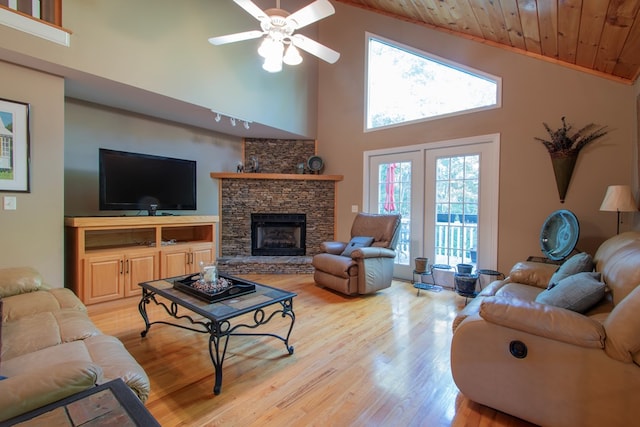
[278, 27]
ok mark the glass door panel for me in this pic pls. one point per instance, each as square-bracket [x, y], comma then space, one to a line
[393, 186]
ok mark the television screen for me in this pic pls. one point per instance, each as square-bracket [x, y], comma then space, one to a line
[133, 181]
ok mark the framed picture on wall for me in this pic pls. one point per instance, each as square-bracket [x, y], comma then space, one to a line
[14, 146]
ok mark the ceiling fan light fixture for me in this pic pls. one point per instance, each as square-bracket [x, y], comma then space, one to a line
[273, 63]
[292, 56]
[267, 47]
[278, 27]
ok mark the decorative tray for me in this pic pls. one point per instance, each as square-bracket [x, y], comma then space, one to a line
[228, 287]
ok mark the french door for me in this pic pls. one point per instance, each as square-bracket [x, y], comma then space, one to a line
[447, 194]
[394, 181]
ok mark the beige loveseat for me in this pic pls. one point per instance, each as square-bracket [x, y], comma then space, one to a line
[50, 349]
[550, 365]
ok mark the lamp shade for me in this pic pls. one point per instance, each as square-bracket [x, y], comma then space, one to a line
[618, 198]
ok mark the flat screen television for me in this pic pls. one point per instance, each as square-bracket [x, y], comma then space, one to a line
[134, 181]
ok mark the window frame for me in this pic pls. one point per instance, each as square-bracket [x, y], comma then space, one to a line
[430, 57]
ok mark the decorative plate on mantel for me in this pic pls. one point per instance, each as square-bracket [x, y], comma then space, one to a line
[559, 234]
[315, 164]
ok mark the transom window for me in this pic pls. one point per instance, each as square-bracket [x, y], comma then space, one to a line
[406, 85]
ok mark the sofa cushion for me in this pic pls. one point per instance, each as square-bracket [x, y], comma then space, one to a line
[357, 242]
[29, 334]
[75, 351]
[18, 280]
[582, 262]
[75, 325]
[519, 291]
[578, 292]
[622, 326]
[41, 330]
[18, 306]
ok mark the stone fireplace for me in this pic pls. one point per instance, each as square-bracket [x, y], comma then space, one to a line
[275, 189]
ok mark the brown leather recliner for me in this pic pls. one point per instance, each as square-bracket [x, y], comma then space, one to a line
[369, 266]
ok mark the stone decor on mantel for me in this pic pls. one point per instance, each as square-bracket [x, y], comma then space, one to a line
[274, 191]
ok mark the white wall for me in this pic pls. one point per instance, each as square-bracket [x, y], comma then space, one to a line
[32, 235]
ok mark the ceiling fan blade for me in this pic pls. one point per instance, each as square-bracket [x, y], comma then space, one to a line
[252, 9]
[313, 47]
[309, 14]
[237, 37]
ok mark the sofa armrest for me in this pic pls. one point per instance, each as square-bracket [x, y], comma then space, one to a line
[372, 252]
[45, 385]
[544, 320]
[333, 248]
[532, 273]
[19, 280]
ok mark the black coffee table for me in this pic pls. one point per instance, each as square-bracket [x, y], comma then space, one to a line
[265, 303]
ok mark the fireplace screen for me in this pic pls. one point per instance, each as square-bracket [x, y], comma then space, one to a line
[275, 234]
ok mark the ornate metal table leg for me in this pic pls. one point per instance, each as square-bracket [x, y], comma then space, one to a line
[219, 331]
[142, 308]
[287, 310]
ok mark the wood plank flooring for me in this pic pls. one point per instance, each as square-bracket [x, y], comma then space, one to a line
[376, 360]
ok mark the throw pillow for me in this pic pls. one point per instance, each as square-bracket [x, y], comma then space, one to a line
[578, 292]
[357, 242]
[576, 264]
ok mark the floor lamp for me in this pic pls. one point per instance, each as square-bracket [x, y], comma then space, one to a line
[618, 198]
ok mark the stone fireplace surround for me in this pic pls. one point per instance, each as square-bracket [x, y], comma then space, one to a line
[274, 189]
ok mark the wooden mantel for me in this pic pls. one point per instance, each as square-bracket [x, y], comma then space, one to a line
[289, 176]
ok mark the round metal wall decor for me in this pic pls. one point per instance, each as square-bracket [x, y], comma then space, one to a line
[315, 164]
[559, 234]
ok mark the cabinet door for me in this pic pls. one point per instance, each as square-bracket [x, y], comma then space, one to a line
[140, 267]
[175, 262]
[103, 278]
[201, 253]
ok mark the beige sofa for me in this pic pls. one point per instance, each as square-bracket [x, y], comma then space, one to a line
[50, 349]
[550, 365]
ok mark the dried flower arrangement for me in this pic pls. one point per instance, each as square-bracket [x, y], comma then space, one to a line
[562, 144]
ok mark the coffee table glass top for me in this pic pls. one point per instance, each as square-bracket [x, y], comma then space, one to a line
[222, 310]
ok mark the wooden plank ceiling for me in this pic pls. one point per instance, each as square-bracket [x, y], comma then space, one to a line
[598, 36]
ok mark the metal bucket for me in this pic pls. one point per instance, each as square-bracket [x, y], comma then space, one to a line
[466, 283]
[465, 268]
[421, 264]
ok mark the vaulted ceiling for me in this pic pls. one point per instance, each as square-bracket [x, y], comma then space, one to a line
[599, 36]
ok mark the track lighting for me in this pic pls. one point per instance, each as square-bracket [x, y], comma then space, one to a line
[232, 120]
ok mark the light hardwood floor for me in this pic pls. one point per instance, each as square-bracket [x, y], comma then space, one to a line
[377, 360]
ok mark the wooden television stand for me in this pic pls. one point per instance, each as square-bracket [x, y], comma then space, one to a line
[106, 257]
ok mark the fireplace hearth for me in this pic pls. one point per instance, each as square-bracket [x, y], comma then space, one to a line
[278, 234]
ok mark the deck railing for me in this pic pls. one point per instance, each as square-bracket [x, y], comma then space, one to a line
[44, 10]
